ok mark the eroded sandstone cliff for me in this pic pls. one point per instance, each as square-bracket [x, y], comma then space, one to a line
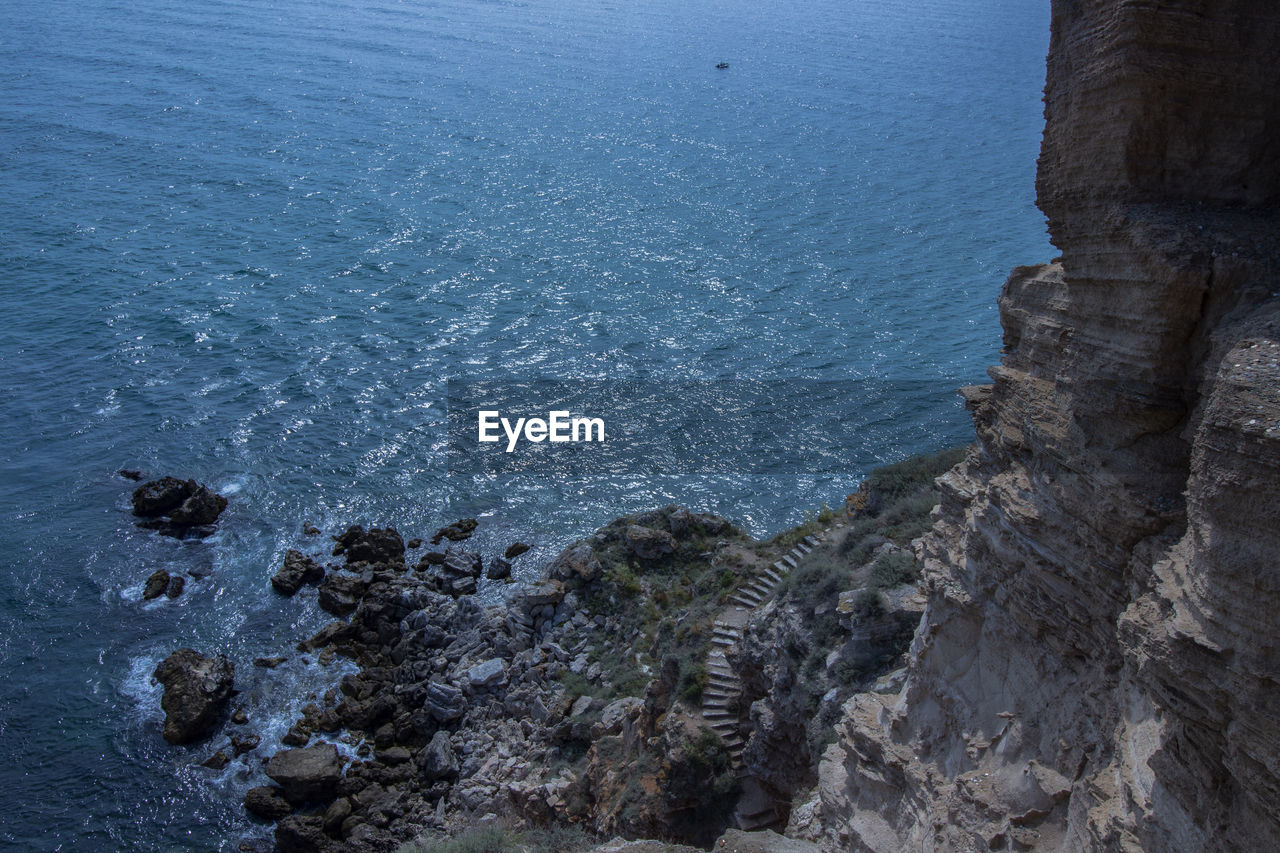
[1097, 665]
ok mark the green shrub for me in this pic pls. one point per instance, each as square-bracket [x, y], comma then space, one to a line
[891, 569]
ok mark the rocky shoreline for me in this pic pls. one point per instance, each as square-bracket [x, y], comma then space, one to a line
[576, 701]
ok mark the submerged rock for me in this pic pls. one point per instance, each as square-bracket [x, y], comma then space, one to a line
[196, 690]
[515, 550]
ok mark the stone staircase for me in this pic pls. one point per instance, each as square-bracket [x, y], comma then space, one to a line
[724, 688]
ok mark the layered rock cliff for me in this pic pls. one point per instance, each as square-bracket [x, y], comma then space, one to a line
[1097, 664]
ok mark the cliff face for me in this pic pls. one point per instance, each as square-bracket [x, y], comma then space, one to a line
[1097, 665]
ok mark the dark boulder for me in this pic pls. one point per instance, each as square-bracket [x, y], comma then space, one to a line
[303, 834]
[298, 569]
[515, 550]
[340, 593]
[196, 691]
[267, 801]
[178, 508]
[376, 545]
[309, 774]
[456, 532]
[156, 585]
[444, 701]
[130, 474]
[576, 563]
[217, 761]
[437, 759]
[177, 583]
[200, 509]
[499, 570]
[160, 497]
[241, 745]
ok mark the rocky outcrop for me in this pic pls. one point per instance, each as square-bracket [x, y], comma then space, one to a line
[298, 569]
[196, 691]
[178, 508]
[1097, 664]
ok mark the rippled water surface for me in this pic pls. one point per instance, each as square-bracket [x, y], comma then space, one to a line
[250, 242]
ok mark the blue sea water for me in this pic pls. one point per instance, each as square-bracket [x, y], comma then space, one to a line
[250, 241]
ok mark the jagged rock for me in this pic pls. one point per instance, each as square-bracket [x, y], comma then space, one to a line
[456, 532]
[176, 507]
[543, 594]
[307, 774]
[514, 550]
[160, 497]
[462, 563]
[217, 761]
[376, 545]
[649, 544]
[298, 569]
[201, 508]
[340, 592]
[156, 585]
[499, 569]
[196, 691]
[239, 717]
[576, 563]
[438, 760]
[242, 745]
[302, 834]
[444, 701]
[490, 673]
[267, 801]
[269, 662]
[339, 810]
[130, 474]
[177, 583]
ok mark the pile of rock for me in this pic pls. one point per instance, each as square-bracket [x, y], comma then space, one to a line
[179, 508]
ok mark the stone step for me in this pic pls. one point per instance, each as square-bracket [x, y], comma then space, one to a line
[726, 630]
[725, 681]
[772, 575]
[712, 716]
[713, 697]
[714, 705]
[761, 589]
[790, 561]
[725, 642]
[803, 548]
[811, 540]
[744, 601]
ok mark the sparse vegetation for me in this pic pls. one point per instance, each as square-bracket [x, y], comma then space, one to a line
[892, 569]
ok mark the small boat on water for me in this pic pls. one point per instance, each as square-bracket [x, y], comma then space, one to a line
[722, 65]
